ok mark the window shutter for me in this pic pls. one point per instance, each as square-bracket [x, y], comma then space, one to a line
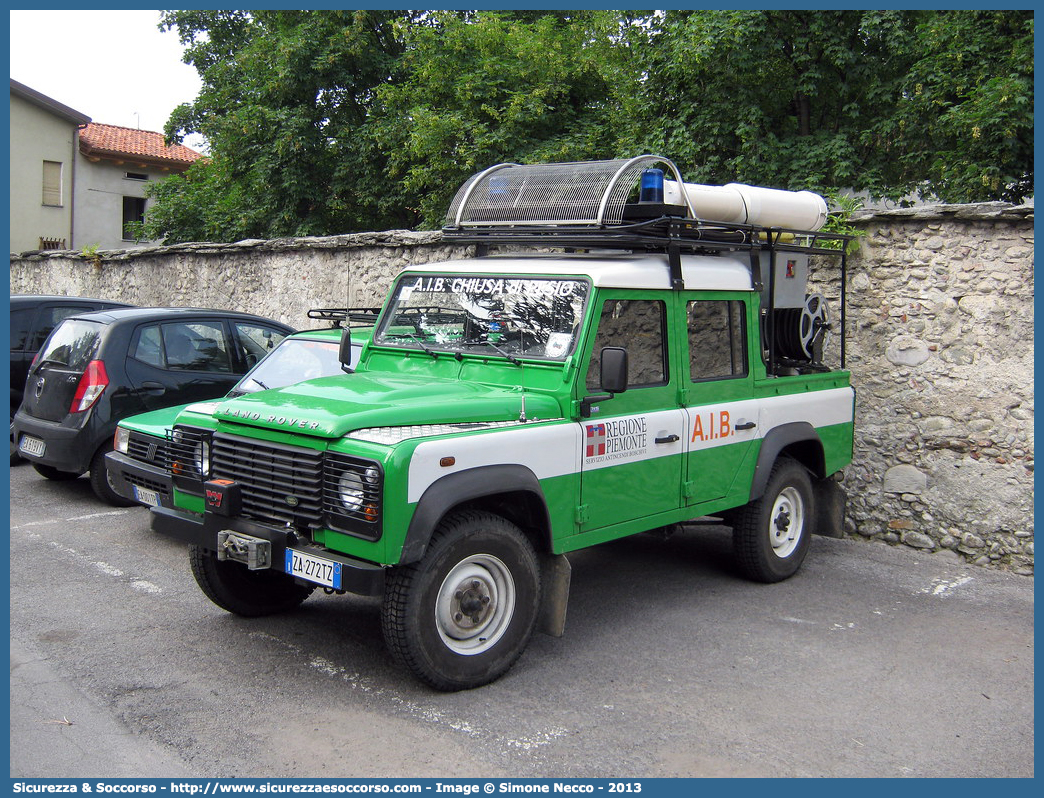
[52, 183]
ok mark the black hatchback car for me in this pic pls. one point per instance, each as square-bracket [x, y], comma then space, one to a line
[97, 368]
[33, 316]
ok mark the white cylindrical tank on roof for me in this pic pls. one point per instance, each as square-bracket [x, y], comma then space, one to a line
[736, 203]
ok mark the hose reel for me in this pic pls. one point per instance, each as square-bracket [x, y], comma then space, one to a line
[801, 332]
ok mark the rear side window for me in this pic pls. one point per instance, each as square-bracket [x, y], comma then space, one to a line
[73, 345]
[21, 323]
[717, 345]
[49, 318]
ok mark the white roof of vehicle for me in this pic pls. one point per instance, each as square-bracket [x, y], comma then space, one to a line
[610, 270]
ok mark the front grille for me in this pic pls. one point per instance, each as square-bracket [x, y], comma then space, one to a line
[148, 449]
[280, 484]
[163, 489]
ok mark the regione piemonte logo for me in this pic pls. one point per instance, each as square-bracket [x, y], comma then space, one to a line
[595, 440]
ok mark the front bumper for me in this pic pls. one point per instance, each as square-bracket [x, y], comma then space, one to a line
[125, 473]
[358, 576]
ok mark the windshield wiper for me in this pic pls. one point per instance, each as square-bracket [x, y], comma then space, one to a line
[511, 358]
[50, 361]
[427, 350]
[255, 379]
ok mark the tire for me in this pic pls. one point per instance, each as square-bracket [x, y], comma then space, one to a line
[477, 563]
[771, 535]
[102, 485]
[52, 473]
[236, 589]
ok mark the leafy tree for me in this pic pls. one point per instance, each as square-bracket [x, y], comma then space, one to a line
[284, 96]
[322, 122]
[473, 90]
[964, 121]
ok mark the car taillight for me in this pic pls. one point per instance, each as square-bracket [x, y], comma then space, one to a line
[92, 384]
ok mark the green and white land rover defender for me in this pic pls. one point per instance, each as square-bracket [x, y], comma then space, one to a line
[654, 358]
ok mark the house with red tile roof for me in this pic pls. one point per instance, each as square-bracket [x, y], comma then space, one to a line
[77, 183]
[115, 165]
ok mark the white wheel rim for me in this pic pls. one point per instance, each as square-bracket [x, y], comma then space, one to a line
[475, 604]
[787, 522]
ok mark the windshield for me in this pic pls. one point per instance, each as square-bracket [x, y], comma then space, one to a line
[73, 343]
[293, 361]
[525, 317]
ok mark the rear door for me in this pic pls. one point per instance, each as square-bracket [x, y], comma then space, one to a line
[721, 416]
[177, 362]
[53, 380]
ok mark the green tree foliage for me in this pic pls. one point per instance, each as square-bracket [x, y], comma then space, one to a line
[322, 122]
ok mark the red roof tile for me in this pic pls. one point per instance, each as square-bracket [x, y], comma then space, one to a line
[111, 140]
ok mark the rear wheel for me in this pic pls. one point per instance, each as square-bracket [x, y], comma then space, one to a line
[462, 616]
[50, 472]
[237, 589]
[101, 483]
[771, 535]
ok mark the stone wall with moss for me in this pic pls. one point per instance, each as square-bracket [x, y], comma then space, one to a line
[940, 346]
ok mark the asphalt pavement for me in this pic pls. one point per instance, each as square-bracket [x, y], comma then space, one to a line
[871, 661]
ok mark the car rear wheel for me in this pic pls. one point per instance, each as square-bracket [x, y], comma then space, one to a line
[237, 589]
[771, 535]
[50, 472]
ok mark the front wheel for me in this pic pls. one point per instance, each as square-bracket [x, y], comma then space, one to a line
[771, 535]
[462, 616]
[237, 589]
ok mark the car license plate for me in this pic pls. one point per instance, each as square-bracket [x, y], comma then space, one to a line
[31, 445]
[314, 569]
[146, 496]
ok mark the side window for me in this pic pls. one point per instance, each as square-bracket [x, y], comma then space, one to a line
[638, 325]
[256, 341]
[49, 318]
[196, 346]
[149, 348]
[717, 339]
[21, 322]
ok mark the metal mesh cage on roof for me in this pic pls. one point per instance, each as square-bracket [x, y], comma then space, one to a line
[583, 193]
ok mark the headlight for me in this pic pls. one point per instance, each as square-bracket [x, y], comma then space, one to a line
[121, 440]
[350, 490]
[190, 456]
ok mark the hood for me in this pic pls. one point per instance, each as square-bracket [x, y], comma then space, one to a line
[331, 407]
[157, 422]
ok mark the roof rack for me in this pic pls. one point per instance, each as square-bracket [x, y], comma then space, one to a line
[350, 317]
[628, 205]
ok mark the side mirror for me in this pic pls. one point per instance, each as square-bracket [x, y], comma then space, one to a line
[612, 380]
[345, 352]
[614, 369]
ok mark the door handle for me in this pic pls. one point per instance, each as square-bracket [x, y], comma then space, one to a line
[154, 388]
[668, 439]
[746, 425]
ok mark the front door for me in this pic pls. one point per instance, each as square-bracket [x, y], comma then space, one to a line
[633, 443]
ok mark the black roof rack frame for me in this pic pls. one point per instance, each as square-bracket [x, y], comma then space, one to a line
[673, 236]
[346, 317]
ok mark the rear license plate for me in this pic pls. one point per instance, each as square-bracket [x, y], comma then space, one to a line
[31, 445]
[314, 569]
[146, 496]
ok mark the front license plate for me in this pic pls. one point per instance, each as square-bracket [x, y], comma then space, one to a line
[146, 496]
[314, 569]
[31, 445]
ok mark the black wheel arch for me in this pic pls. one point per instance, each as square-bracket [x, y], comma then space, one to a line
[511, 491]
[797, 440]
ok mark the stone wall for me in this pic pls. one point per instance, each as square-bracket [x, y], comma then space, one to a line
[940, 345]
